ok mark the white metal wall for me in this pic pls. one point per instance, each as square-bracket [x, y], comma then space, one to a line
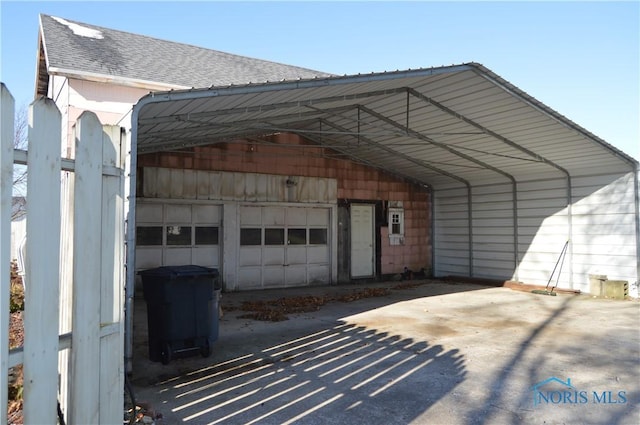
[604, 232]
[451, 232]
[600, 224]
[493, 231]
[543, 229]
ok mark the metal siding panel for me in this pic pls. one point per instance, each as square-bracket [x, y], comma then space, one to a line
[543, 231]
[604, 229]
[493, 231]
[451, 238]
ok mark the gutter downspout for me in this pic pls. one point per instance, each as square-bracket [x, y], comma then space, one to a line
[470, 228]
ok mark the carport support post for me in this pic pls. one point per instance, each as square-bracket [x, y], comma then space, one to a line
[130, 239]
[636, 193]
[470, 225]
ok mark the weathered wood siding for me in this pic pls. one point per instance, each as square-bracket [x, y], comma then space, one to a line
[167, 183]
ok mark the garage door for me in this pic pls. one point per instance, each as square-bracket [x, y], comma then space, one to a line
[283, 246]
[171, 234]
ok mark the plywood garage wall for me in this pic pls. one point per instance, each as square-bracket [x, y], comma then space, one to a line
[176, 183]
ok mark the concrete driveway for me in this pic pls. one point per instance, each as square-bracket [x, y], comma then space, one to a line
[438, 353]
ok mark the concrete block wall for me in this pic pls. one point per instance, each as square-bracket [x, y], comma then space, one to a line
[289, 154]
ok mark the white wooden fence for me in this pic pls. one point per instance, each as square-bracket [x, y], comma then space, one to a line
[73, 350]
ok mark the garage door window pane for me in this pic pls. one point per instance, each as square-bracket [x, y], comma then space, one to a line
[297, 236]
[251, 236]
[149, 235]
[274, 236]
[206, 235]
[179, 235]
[318, 236]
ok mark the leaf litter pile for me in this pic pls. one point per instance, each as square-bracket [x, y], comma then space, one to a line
[278, 309]
[16, 339]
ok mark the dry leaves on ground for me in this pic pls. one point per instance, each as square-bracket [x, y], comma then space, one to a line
[277, 310]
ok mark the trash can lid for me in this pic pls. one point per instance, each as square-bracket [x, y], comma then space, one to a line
[173, 272]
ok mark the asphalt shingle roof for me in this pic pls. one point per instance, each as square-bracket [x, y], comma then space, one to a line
[89, 49]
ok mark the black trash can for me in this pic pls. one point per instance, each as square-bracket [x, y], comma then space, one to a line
[182, 310]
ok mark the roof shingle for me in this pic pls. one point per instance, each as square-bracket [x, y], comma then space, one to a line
[88, 49]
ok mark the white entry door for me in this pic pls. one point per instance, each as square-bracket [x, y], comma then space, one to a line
[362, 241]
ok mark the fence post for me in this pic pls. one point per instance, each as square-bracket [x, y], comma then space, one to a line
[42, 261]
[85, 350]
[6, 179]
[66, 282]
[112, 281]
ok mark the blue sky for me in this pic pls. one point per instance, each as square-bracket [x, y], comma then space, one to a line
[580, 58]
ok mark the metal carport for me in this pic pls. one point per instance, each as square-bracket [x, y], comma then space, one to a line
[512, 180]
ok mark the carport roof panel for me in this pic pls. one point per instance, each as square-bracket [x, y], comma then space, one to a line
[462, 123]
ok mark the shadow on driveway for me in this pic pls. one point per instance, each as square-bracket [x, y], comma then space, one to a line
[312, 368]
[338, 375]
